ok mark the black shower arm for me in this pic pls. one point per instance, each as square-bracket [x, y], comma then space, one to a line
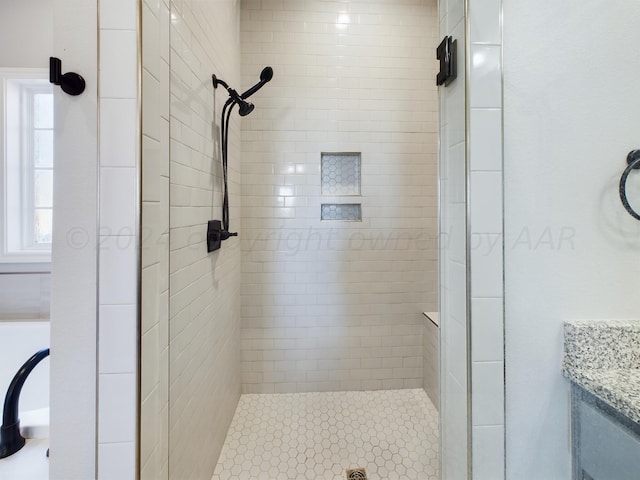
[234, 96]
[217, 81]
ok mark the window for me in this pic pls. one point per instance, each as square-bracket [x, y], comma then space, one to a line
[26, 138]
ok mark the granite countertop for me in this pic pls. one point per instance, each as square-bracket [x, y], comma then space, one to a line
[603, 357]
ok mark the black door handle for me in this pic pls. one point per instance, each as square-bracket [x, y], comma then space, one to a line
[70, 82]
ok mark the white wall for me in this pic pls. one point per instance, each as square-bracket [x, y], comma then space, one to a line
[338, 305]
[74, 254]
[25, 296]
[154, 367]
[26, 33]
[571, 252]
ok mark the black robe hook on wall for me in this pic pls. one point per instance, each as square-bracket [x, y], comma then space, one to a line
[70, 82]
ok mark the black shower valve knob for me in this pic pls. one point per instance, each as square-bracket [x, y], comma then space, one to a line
[215, 235]
[214, 242]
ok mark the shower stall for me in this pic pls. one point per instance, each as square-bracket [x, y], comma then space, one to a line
[330, 182]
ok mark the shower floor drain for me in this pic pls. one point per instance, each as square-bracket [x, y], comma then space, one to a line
[356, 474]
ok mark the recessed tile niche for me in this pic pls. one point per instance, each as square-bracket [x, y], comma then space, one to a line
[340, 177]
[340, 173]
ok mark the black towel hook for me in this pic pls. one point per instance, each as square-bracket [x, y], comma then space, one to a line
[70, 82]
[633, 161]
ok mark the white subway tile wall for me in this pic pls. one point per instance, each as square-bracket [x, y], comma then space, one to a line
[119, 240]
[453, 254]
[204, 304]
[154, 365]
[338, 305]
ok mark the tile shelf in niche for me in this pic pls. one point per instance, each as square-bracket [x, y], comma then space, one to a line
[345, 212]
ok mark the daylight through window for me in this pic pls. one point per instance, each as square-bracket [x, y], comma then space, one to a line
[27, 167]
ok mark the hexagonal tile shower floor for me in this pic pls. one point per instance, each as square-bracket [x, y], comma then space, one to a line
[392, 434]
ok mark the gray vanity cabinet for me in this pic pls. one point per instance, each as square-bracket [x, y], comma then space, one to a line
[606, 444]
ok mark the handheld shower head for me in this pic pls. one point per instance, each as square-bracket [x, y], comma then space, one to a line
[265, 76]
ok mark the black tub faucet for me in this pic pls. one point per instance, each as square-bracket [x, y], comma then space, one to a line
[11, 440]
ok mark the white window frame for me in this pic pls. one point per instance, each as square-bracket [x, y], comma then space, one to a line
[16, 178]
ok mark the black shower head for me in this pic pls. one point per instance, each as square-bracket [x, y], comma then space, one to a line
[265, 76]
[245, 108]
